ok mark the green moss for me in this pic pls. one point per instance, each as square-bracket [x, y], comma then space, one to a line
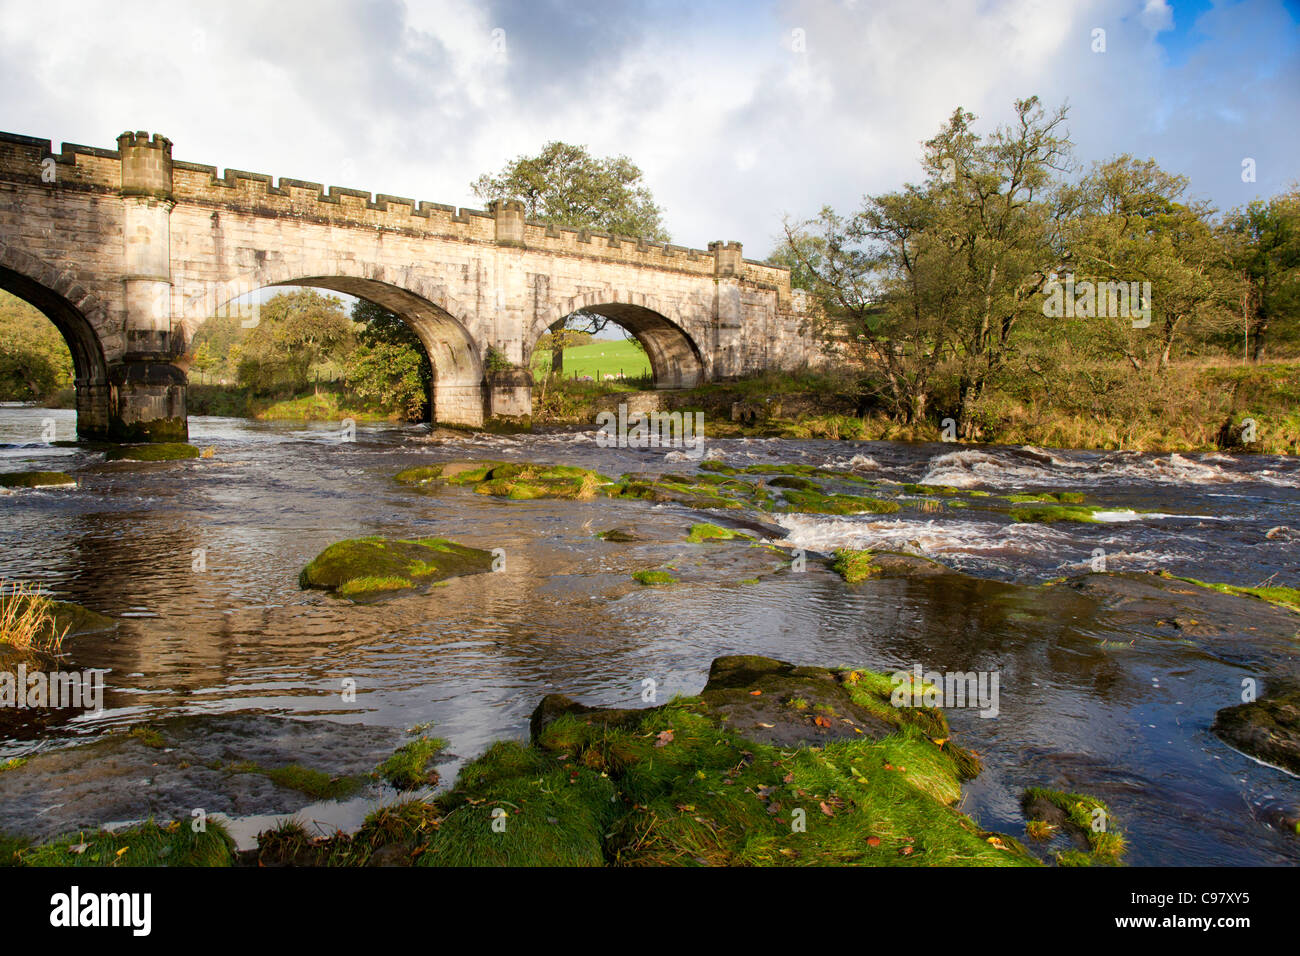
[13, 763]
[520, 481]
[314, 783]
[795, 482]
[148, 737]
[36, 479]
[653, 577]
[712, 532]
[1274, 594]
[853, 566]
[915, 489]
[368, 566]
[1057, 497]
[163, 451]
[359, 586]
[1084, 815]
[811, 502]
[1048, 514]
[408, 767]
[146, 844]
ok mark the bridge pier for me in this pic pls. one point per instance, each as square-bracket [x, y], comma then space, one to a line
[508, 394]
[146, 391]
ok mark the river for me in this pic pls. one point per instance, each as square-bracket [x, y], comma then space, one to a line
[1129, 724]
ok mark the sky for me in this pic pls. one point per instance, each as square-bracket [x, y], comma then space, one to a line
[739, 113]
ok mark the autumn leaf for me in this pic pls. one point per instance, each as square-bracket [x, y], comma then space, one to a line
[825, 809]
[755, 693]
[873, 841]
[664, 739]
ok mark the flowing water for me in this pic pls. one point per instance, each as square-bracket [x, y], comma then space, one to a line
[1085, 704]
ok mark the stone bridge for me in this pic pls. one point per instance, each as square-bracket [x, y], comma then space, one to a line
[128, 251]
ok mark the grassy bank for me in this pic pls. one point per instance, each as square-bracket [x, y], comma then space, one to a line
[328, 403]
[1201, 407]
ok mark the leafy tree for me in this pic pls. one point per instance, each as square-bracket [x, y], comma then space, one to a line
[565, 185]
[1135, 226]
[34, 359]
[796, 248]
[390, 365]
[1262, 242]
[296, 331]
[936, 277]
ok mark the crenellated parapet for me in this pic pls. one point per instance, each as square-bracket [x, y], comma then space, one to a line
[142, 165]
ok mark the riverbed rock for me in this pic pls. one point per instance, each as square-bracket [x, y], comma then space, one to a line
[234, 764]
[1267, 729]
[371, 566]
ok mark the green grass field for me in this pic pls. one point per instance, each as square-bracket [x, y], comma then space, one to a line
[603, 356]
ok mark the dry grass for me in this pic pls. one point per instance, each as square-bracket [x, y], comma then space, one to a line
[27, 620]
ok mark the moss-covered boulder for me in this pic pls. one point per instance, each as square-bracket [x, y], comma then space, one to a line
[37, 479]
[1267, 729]
[363, 567]
[688, 784]
[160, 451]
[704, 531]
[854, 565]
[519, 481]
[1085, 822]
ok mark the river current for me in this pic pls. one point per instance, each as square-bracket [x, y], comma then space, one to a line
[199, 561]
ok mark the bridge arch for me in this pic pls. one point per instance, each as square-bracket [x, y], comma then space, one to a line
[424, 306]
[676, 359]
[78, 314]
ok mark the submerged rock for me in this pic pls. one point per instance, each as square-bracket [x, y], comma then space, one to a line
[161, 451]
[372, 566]
[234, 764]
[37, 479]
[1267, 729]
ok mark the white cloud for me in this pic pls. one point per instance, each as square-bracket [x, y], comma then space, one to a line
[735, 119]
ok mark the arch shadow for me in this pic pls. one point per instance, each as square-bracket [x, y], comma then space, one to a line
[73, 311]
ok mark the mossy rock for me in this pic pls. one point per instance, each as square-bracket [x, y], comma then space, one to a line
[518, 481]
[1052, 513]
[37, 479]
[653, 578]
[795, 482]
[813, 502]
[1050, 497]
[1086, 821]
[620, 535]
[374, 566]
[711, 532]
[1267, 729]
[162, 451]
[855, 566]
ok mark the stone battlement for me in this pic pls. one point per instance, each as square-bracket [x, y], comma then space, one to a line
[258, 194]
